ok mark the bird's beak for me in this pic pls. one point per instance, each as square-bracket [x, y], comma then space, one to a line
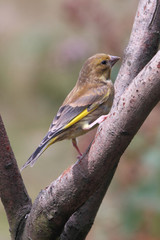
[113, 60]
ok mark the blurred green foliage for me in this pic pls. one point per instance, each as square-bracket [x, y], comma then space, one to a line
[43, 46]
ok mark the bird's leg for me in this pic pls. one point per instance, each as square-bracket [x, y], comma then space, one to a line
[97, 121]
[74, 142]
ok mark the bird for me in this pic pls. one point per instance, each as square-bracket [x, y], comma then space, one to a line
[86, 106]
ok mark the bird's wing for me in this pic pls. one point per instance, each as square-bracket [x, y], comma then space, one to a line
[70, 113]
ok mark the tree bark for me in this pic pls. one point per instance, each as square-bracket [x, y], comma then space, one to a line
[143, 43]
[146, 29]
[13, 193]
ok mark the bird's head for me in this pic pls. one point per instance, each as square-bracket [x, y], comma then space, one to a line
[98, 65]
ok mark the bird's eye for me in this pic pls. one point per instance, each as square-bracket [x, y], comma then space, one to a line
[104, 62]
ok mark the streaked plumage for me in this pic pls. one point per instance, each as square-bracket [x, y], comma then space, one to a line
[91, 98]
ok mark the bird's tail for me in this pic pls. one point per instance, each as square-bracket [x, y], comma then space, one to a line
[41, 148]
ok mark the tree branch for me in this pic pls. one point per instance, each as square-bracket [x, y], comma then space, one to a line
[146, 20]
[146, 27]
[143, 43]
[63, 197]
[12, 190]
[79, 224]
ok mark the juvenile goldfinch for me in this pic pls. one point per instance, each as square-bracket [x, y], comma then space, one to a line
[85, 105]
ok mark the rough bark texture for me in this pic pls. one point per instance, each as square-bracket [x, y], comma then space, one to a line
[143, 43]
[146, 28]
[67, 207]
[79, 224]
[12, 190]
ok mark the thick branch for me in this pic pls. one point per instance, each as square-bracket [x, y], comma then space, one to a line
[146, 26]
[79, 224]
[60, 200]
[12, 190]
[143, 43]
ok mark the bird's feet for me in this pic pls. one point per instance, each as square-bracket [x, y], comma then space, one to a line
[97, 121]
[74, 142]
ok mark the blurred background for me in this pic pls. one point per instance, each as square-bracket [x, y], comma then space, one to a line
[43, 45]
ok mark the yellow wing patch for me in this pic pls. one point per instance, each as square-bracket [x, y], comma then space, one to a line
[84, 113]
